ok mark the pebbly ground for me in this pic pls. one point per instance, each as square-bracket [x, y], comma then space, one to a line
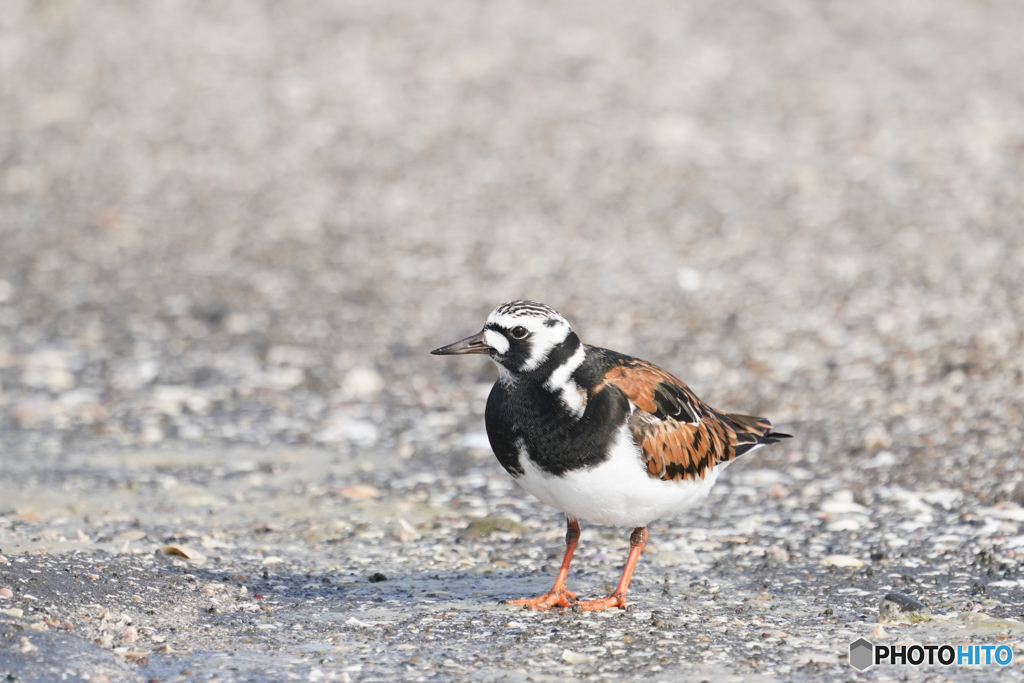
[302, 564]
[229, 236]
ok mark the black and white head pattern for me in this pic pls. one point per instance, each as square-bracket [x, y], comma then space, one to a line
[524, 334]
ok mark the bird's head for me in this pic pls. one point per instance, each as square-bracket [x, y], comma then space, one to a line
[519, 336]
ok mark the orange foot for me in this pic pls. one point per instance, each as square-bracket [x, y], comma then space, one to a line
[602, 603]
[562, 598]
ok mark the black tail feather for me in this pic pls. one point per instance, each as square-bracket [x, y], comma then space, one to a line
[775, 437]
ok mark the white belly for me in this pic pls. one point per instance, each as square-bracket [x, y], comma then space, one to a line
[618, 492]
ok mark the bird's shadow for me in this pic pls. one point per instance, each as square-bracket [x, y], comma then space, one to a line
[350, 592]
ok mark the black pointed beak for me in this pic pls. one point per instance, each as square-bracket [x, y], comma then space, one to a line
[474, 344]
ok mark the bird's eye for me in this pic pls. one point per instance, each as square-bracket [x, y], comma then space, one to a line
[519, 332]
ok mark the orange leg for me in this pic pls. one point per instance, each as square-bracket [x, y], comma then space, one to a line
[618, 598]
[558, 595]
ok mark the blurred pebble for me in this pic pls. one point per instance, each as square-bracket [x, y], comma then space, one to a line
[877, 438]
[359, 491]
[151, 435]
[841, 561]
[339, 427]
[900, 608]
[688, 279]
[485, 526]
[842, 502]
[845, 524]
[296, 356]
[1004, 510]
[361, 384]
[172, 400]
[880, 460]
[577, 657]
[29, 413]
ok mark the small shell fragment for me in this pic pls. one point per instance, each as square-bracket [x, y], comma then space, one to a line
[190, 554]
[406, 531]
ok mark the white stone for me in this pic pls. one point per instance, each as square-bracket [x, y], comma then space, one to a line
[577, 658]
[841, 561]
[881, 460]
[134, 374]
[476, 440]
[944, 498]
[688, 279]
[172, 399]
[842, 503]
[281, 377]
[758, 477]
[151, 435]
[1005, 510]
[362, 384]
[845, 524]
[340, 427]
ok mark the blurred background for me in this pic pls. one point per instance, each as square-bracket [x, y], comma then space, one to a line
[249, 222]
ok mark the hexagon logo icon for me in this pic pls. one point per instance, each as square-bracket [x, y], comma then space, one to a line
[862, 654]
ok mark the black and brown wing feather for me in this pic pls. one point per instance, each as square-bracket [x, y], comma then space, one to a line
[680, 436]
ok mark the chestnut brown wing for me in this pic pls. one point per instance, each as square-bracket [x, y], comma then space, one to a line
[680, 436]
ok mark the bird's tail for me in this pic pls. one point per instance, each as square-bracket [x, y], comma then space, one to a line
[752, 432]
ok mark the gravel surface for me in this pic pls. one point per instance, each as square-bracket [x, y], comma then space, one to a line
[230, 233]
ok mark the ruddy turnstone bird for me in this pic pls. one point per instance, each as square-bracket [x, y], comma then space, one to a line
[601, 436]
